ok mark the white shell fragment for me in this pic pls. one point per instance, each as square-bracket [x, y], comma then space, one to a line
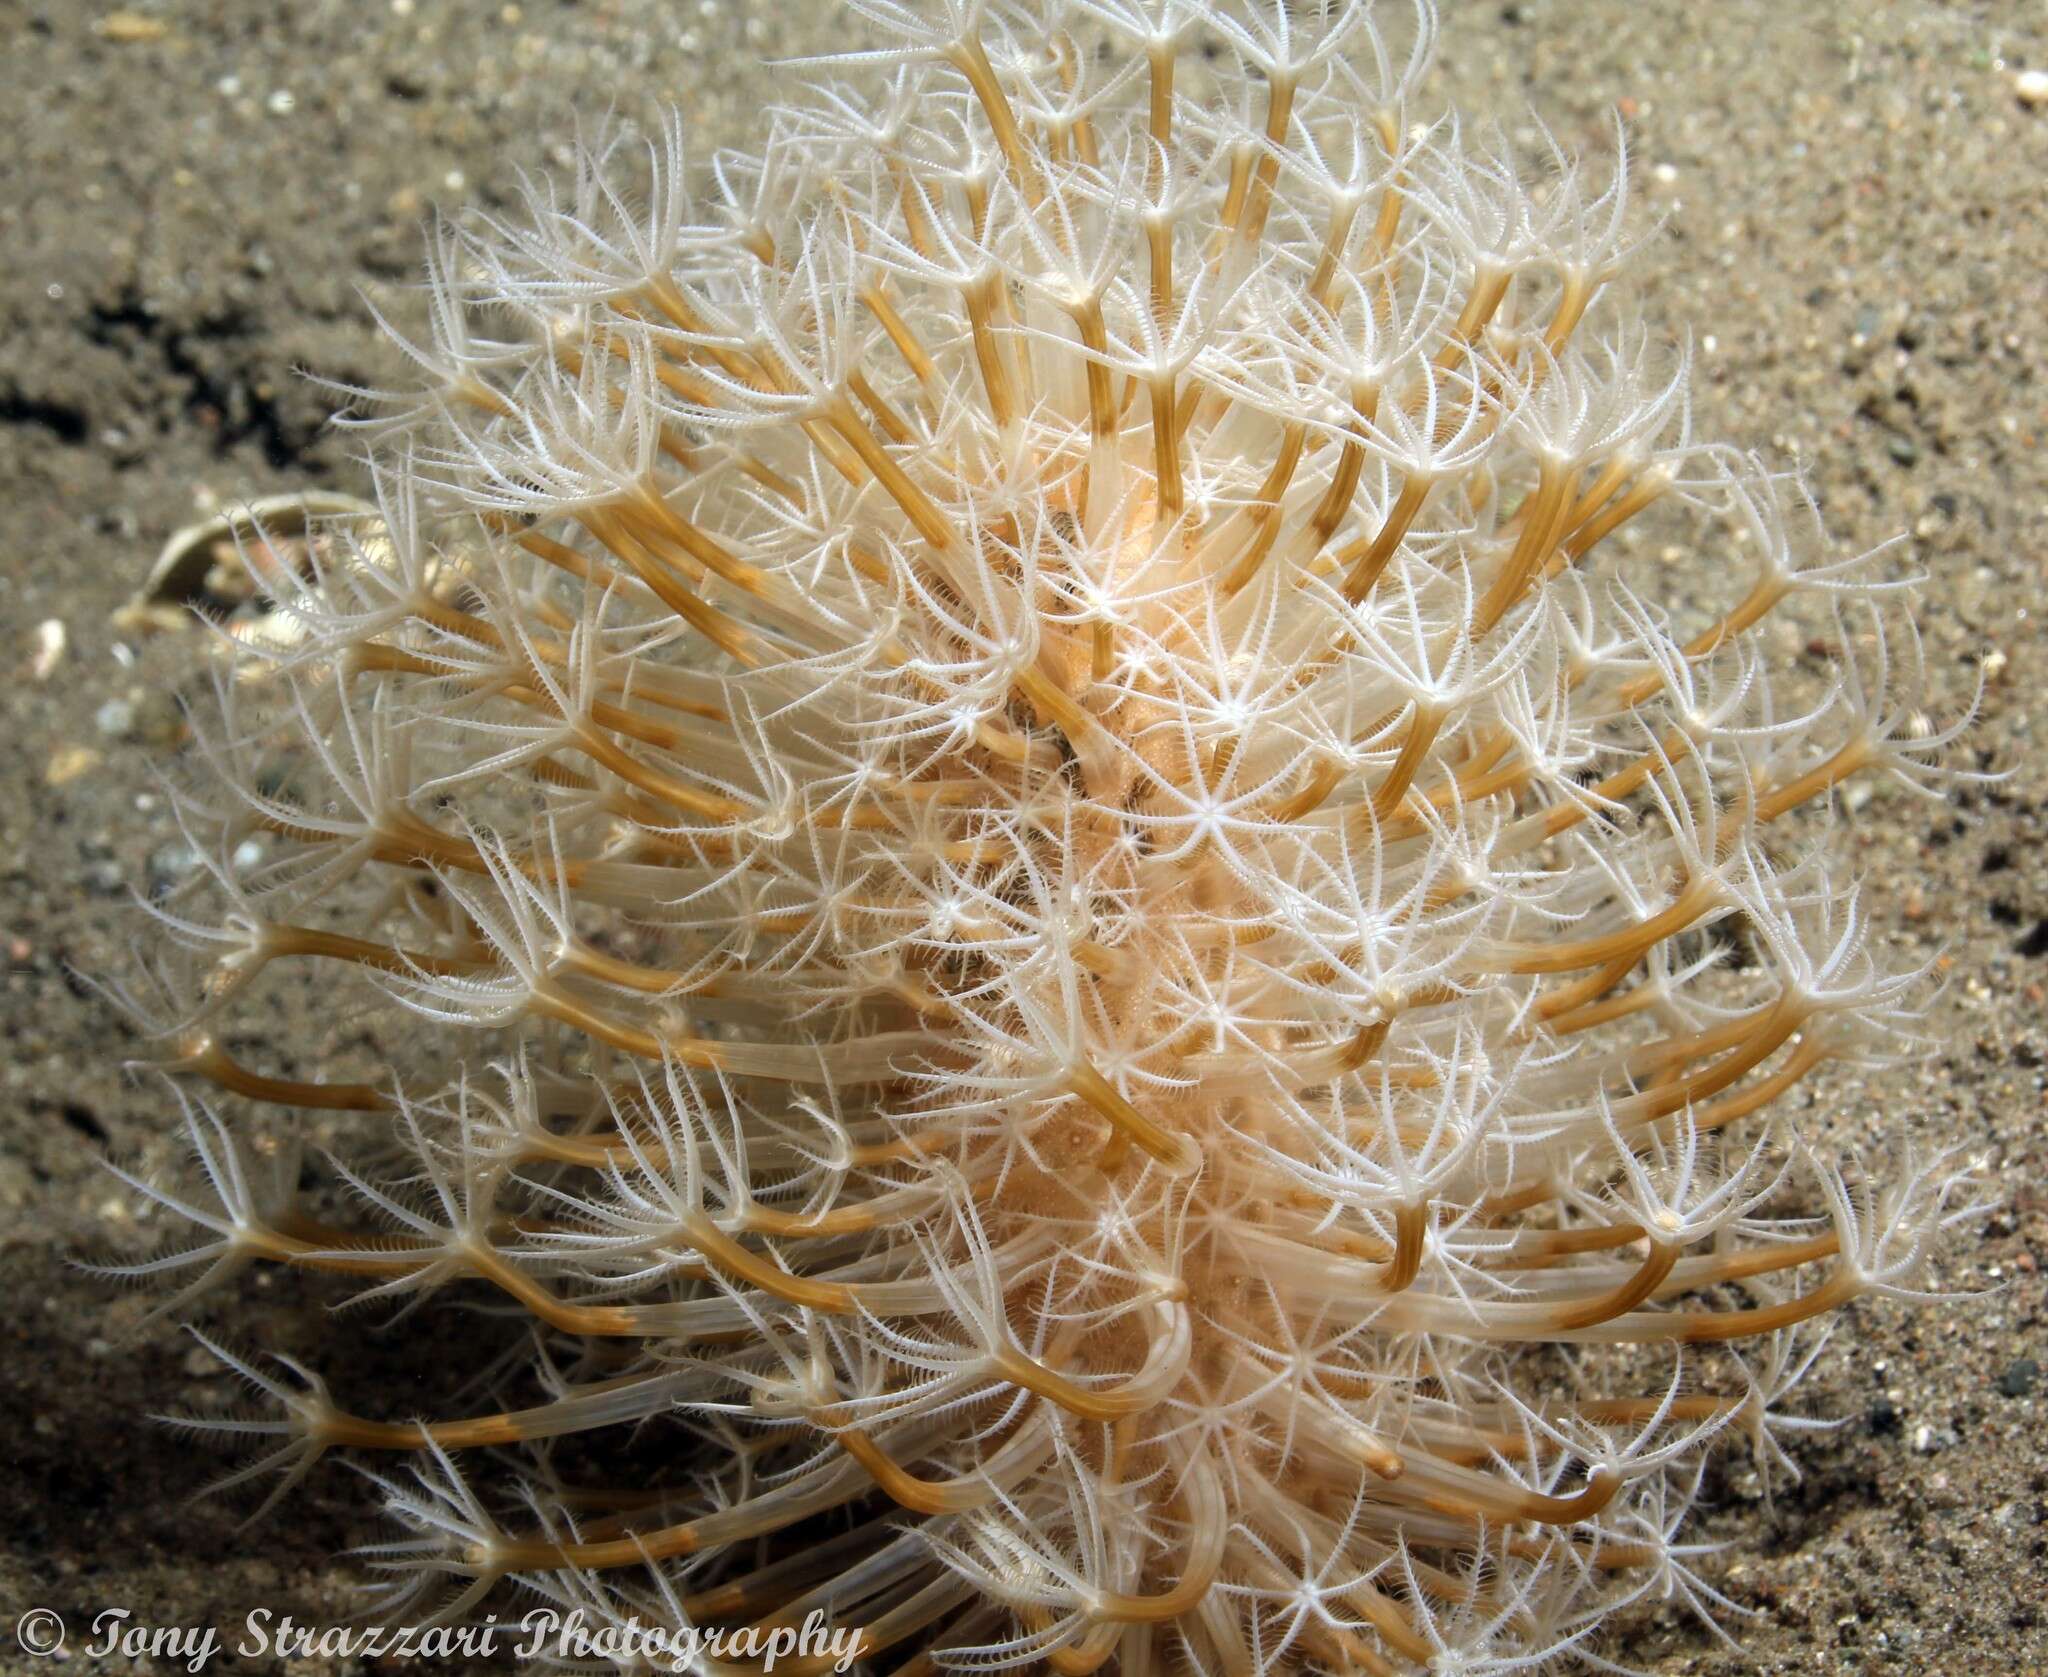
[210, 560]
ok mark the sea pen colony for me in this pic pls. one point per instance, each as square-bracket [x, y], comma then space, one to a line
[1037, 865]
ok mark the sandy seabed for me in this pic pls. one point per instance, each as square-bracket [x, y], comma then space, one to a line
[193, 196]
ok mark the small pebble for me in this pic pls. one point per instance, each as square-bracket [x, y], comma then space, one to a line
[115, 719]
[169, 863]
[72, 762]
[51, 636]
[128, 28]
[2032, 87]
[2019, 1377]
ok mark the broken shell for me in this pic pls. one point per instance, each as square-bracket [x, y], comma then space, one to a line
[189, 568]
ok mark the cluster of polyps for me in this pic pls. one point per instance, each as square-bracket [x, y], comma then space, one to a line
[1028, 854]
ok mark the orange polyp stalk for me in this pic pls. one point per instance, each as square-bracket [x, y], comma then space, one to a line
[1241, 156]
[1411, 1230]
[1571, 308]
[1336, 501]
[1091, 742]
[920, 1496]
[1266, 511]
[1489, 287]
[1810, 1052]
[1323, 779]
[1757, 1260]
[1159, 266]
[470, 1433]
[1089, 1085]
[1589, 535]
[1422, 731]
[668, 297]
[206, 1057]
[1167, 503]
[630, 975]
[1717, 1327]
[1367, 559]
[1023, 1370]
[1094, 335]
[1628, 943]
[971, 60]
[602, 748]
[1541, 1248]
[565, 558]
[1532, 547]
[885, 415]
[1478, 1496]
[1591, 499]
[928, 1605]
[968, 56]
[1588, 989]
[673, 446]
[1666, 1052]
[1457, 790]
[982, 298]
[1335, 237]
[1160, 59]
[281, 940]
[1847, 759]
[769, 1585]
[555, 1004]
[716, 1247]
[648, 513]
[1511, 1200]
[1674, 746]
[1086, 1655]
[1631, 1293]
[850, 1219]
[597, 1321]
[1250, 225]
[1208, 1527]
[724, 632]
[898, 329]
[1605, 1012]
[378, 658]
[1772, 1034]
[915, 505]
[409, 843]
[1085, 146]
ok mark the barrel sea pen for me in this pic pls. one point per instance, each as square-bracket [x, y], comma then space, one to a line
[1038, 869]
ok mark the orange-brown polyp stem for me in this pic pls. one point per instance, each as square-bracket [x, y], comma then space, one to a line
[1411, 1231]
[1258, 203]
[1422, 731]
[1368, 559]
[1713, 1327]
[210, 1060]
[1543, 516]
[1176, 1152]
[1627, 944]
[726, 633]
[1266, 516]
[1208, 1526]
[1639, 1287]
[1489, 287]
[920, 1496]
